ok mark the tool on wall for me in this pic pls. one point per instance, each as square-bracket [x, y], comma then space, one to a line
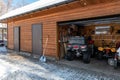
[43, 58]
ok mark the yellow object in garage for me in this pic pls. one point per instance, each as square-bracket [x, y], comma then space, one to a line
[100, 48]
[113, 50]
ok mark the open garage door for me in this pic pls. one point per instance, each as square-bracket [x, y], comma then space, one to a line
[17, 38]
[104, 33]
[37, 39]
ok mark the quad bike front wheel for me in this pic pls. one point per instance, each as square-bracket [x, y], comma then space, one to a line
[86, 57]
[70, 56]
[115, 64]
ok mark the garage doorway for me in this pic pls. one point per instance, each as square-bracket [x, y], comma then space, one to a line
[99, 29]
[17, 39]
[37, 39]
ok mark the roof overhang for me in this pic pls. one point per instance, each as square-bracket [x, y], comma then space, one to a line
[36, 6]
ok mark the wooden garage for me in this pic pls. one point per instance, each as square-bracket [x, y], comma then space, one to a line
[30, 26]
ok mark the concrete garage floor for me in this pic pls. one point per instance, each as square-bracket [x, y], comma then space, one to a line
[94, 65]
[19, 66]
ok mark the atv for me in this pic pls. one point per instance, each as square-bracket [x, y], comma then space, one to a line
[78, 47]
[106, 51]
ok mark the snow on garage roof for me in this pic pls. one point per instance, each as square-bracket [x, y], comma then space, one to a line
[41, 4]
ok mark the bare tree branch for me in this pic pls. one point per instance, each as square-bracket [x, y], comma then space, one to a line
[8, 5]
[2, 7]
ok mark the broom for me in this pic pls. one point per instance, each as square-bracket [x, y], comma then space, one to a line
[43, 58]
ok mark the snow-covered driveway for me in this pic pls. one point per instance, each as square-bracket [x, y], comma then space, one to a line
[17, 67]
[6, 68]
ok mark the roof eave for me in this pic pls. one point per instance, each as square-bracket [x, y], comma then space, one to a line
[40, 9]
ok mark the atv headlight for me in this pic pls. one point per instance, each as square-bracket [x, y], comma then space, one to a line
[113, 50]
[100, 49]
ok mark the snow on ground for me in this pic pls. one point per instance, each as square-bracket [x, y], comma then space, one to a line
[20, 67]
[3, 49]
[6, 68]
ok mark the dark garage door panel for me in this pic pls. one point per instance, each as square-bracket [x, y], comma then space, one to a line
[17, 38]
[37, 39]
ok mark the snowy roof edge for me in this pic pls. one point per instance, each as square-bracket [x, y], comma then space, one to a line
[39, 5]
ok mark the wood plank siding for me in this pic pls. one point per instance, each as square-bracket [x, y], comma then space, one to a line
[49, 19]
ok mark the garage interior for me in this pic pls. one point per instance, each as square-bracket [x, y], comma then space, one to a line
[102, 28]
